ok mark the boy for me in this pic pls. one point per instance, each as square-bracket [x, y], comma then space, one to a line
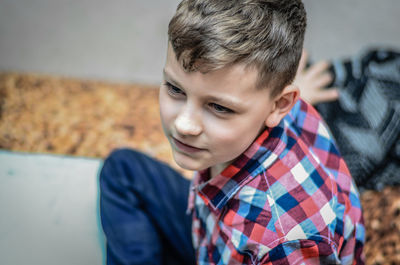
[270, 186]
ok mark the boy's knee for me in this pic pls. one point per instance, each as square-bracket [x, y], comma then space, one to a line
[126, 163]
[120, 163]
[126, 170]
[124, 156]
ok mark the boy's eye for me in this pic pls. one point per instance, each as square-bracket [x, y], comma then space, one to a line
[173, 90]
[220, 109]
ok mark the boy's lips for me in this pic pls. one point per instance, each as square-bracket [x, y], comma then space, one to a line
[185, 147]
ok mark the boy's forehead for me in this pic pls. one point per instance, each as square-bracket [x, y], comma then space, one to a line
[237, 74]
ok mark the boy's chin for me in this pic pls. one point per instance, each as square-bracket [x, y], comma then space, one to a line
[188, 163]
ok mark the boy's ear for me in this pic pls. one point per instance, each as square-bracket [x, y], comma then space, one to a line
[282, 104]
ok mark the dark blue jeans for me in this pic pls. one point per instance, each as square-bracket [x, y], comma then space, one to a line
[143, 211]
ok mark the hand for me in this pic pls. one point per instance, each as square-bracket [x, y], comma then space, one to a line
[312, 81]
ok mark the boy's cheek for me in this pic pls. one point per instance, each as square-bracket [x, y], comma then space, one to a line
[166, 116]
[168, 113]
[165, 108]
[164, 122]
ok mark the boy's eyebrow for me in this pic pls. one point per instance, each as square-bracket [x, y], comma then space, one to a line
[224, 101]
[170, 79]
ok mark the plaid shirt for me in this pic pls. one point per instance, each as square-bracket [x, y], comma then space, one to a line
[288, 199]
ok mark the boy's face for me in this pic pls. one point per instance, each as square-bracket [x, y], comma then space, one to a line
[210, 119]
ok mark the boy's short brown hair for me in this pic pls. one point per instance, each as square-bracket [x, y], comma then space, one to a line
[207, 35]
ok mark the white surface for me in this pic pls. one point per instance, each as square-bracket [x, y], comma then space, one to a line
[49, 210]
[343, 28]
[126, 40]
[119, 40]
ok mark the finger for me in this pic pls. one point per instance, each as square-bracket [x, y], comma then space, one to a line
[323, 80]
[303, 61]
[326, 95]
[318, 68]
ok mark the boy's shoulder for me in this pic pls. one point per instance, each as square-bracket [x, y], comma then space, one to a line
[300, 188]
[304, 134]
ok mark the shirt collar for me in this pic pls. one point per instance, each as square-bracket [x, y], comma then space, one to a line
[217, 191]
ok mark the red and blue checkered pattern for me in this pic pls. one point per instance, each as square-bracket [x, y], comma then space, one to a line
[289, 199]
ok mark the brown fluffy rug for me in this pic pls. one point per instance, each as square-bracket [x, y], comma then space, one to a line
[45, 114]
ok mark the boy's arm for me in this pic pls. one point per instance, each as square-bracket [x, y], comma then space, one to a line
[305, 252]
[310, 252]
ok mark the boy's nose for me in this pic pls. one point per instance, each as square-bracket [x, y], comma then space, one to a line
[187, 124]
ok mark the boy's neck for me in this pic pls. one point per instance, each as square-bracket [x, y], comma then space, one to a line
[217, 169]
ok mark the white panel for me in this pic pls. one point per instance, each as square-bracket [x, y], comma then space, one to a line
[49, 210]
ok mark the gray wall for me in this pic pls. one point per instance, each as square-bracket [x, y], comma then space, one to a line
[125, 40]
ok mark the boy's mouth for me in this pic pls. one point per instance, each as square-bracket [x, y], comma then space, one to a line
[185, 147]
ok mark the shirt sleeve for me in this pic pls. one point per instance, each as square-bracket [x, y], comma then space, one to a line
[298, 252]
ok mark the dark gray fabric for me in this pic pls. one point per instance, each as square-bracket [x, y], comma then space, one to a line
[365, 121]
